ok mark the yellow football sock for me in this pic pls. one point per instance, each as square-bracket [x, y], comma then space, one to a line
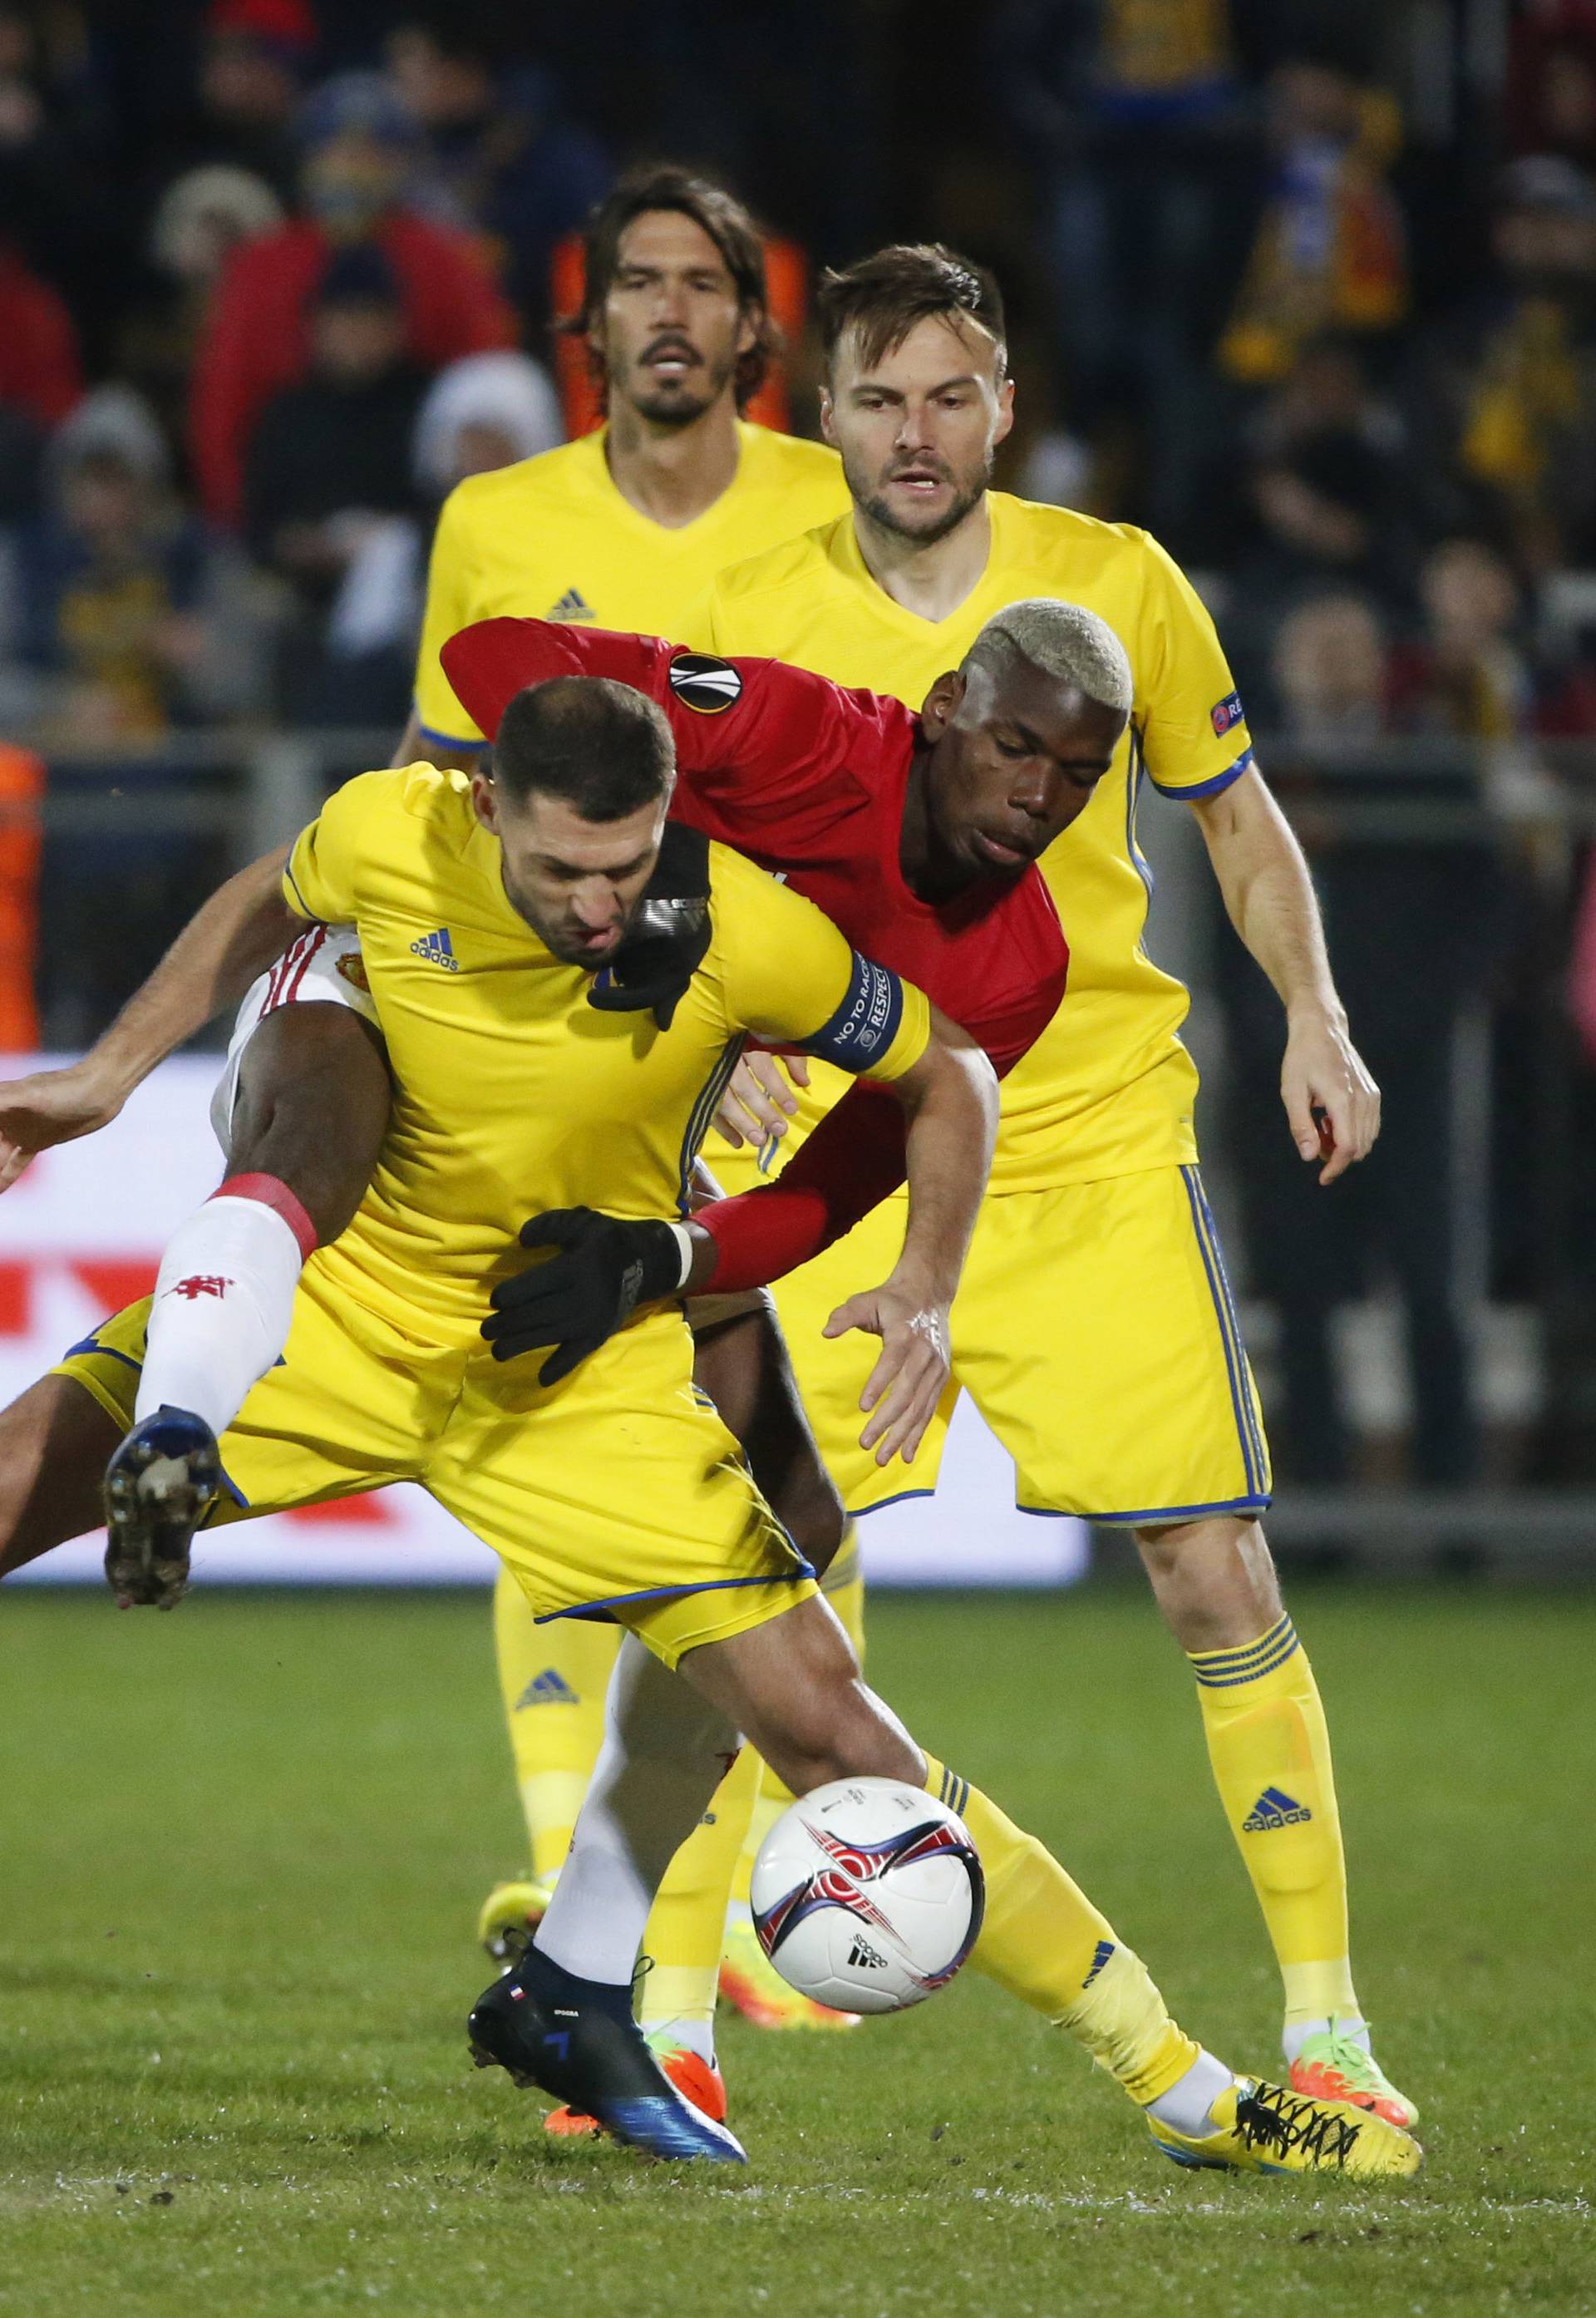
[843, 1586]
[553, 1680]
[1270, 1752]
[686, 1925]
[1043, 1940]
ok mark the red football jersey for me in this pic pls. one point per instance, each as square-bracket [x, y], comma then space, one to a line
[807, 780]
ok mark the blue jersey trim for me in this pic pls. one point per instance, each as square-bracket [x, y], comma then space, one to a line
[1209, 788]
[864, 1025]
[449, 740]
[91, 1343]
[293, 881]
[1135, 773]
[701, 1115]
[1254, 1458]
[898, 1497]
[1260, 1455]
[1152, 1513]
[669, 1593]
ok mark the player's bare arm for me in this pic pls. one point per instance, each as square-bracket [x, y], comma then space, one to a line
[950, 1098]
[232, 939]
[1269, 896]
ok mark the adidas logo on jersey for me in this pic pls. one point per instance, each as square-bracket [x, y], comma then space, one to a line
[1104, 1950]
[1273, 1808]
[438, 949]
[549, 1688]
[862, 1956]
[572, 605]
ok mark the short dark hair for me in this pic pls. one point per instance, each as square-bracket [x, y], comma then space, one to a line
[668, 185]
[884, 296]
[602, 747]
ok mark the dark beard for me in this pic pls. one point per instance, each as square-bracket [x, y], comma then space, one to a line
[880, 512]
[680, 406]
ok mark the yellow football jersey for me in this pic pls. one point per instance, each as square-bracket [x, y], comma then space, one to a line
[512, 1094]
[1108, 1087]
[551, 538]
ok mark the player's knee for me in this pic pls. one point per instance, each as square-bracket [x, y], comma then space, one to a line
[826, 1724]
[1214, 1578]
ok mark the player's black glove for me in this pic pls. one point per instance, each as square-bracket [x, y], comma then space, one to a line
[576, 1300]
[666, 942]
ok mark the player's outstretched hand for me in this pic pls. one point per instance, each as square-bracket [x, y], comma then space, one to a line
[758, 1101]
[911, 1374]
[1331, 1102]
[602, 1270]
[46, 1108]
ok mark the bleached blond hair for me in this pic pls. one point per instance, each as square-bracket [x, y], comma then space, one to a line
[1064, 640]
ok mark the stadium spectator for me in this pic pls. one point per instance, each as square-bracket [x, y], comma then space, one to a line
[1132, 115]
[55, 168]
[329, 469]
[254, 58]
[1328, 253]
[1551, 96]
[1319, 501]
[360, 146]
[499, 153]
[1506, 388]
[1409, 925]
[484, 412]
[41, 378]
[40, 371]
[130, 614]
[201, 219]
[1464, 675]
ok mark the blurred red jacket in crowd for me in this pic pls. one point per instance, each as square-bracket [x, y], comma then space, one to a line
[255, 341]
[38, 366]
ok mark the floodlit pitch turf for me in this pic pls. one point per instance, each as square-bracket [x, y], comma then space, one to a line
[243, 1847]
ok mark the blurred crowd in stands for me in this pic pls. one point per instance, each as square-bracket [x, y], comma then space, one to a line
[1308, 289]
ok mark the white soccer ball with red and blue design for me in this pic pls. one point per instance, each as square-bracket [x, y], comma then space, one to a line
[868, 1895]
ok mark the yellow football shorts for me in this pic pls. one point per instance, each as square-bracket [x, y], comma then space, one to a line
[617, 1492]
[1094, 1330]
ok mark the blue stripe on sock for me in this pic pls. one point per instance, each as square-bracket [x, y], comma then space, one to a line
[1288, 1648]
[1225, 1659]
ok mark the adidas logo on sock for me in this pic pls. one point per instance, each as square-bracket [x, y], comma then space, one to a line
[863, 1955]
[438, 949]
[549, 1688]
[572, 605]
[1273, 1808]
[1104, 1949]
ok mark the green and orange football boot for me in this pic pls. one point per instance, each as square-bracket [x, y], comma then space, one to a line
[1334, 2066]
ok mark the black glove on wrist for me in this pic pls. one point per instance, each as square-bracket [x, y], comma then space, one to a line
[576, 1300]
[666, 942]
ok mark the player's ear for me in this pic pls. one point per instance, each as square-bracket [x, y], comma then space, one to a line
[828, 424]
[485, 802]
[1005, 410]
[941, 702]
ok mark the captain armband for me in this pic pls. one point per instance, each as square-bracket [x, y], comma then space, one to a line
[860, 1035]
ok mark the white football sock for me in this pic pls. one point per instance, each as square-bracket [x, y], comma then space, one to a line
[663, 1756]
[223, 1300]
[1185, 2108]
[698, 2036]
[1296, 2034]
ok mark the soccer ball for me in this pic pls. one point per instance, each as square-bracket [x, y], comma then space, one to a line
[868, 1895]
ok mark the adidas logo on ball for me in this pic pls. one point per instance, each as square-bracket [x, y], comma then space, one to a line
[863, 1953]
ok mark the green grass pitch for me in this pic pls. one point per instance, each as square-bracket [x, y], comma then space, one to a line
[241, 1850]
